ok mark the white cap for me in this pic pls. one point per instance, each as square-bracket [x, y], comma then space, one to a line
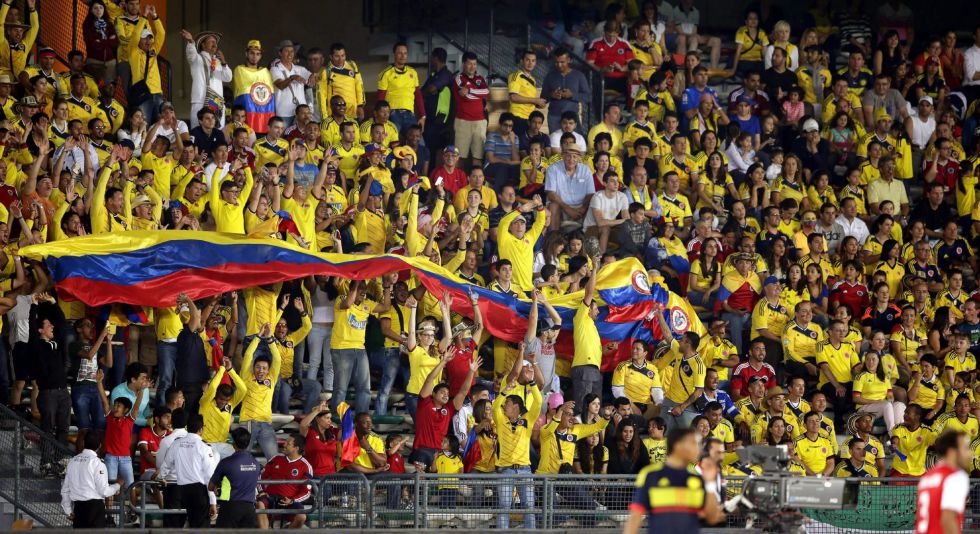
[926, 98]
[146, 33]
[811, 125]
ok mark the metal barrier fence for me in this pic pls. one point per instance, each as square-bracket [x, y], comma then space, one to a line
[524, 501]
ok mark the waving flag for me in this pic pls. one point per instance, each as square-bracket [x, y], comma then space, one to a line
[350, 447]
[150, 268]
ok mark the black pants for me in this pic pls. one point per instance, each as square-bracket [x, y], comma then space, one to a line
[172, 500]
[195, 500]
[237, 514]
[55, 408]
[842, 405]
[192, 397]
[89, 514]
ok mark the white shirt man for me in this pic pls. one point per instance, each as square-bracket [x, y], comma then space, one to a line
[971, 61]
[294, 93]
[85, 489]
[207, 72]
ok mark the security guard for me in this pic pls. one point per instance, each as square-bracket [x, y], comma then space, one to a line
[194, 462]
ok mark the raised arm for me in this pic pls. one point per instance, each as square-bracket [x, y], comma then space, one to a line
[460, 397]
[590, 287]
[430, 380]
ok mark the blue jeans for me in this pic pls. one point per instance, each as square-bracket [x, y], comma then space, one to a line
[116, 373]
[310, 393]
[318, 348]
[737, 323]
[681, 421]
[166, 367]
[351, 365]
[411, 404]
[402, 118]
[120, 467]
[525, 490]
[263, 433]
[88, 406]
[391, 364]
[151, 108]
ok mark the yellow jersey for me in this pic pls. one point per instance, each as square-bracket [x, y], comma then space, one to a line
[522, 84]
[217, 422]
[949, 421]
[800, 342]
[399, 85]
[871, 387]
[912, 444]
[873, 449]
[637, 380]
[840, 360]
[687, 374]
[558, 448]
[769, 317]
[514, 437]
[350, 325]
[930, 392]
[257, 404]
[814, 453]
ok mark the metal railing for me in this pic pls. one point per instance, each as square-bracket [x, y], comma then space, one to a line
[479, 501]
[24, 482]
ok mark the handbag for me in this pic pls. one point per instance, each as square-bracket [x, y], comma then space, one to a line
[212, 99]
[139, 92]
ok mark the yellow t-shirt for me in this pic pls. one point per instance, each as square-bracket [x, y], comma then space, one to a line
[839, 359]
[637, 380]
[377, 445]
[399, 86]
[420, 363]
[350, 325]
[913, 445]
[588, 344]
[686, 376]
[949, 422]
[752, 49]
[814, 453]
[871, 387]
[523, 84]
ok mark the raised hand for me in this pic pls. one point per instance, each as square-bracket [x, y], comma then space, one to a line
[298, 304]
[475, 364]
[411, 302]
[285, 301]
[266, 330]
[226, 363]
[187, 36]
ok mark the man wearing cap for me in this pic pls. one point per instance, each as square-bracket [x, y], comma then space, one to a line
[813, 150]
[883, 96]
[252, 86]
[453, 178]
[209, 71]
[775, 407]
[569, 186]
[290, 82]
[142, 55]
[921, 125]
[878, 130]
[737, 297]
[17, 39]
[44, 67]
[147, 210]
[7, 103]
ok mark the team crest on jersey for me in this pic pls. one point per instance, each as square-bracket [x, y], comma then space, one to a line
[260, 93]
[650, 374]
[444, 411]
[823, 450]
[679, 321]
[620, 51]
[641, 283]
[959, 250]
[813, 335]
[860, 293]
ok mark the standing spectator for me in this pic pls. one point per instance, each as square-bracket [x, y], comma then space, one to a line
[217, 403]
[436, 410]
[737, 297]
[16, 38]
[523, 90]
[588, 346]
[437, 132]
[146, 91]
[350, 360]
[193, 462]
[260, 376]
[253, 90]
[399, 84]
[470, 93]
[515, 421]
[86, 486]
[53, 400]
[242, 471]
[120, 420]
[125, 25]
[100, 43]
[209, 71]
[503, 154]
[342, 78]
[289, 465]
[565, 88]
[171, 495]
[290, 81]
[610, 54]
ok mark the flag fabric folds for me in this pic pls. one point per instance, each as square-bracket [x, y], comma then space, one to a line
[150, 268]
[350, 447]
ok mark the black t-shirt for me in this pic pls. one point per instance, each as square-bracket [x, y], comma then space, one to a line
[204, 141]
[773, 80]
[934, 219]
[651, 166]
[191, 366]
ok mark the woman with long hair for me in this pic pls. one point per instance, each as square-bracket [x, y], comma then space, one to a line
[951, 61]
[842, 136]
[881, 231]
[321, 440]
[881, 314]
[790, 183]
[716, 186]
[776, 433]
[628, 455]
[705, 279]
[593, 406]
[794, 288]
[778, 260]
[917, 232]
[873, 392]
[889, 54]
[134, 129]
[939, 332]
[891, 265]
[750, 44]
[591, 456]
[816, 292]
[101, 43]
[550, 253]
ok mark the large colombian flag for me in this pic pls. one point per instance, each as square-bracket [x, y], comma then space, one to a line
[150, 268]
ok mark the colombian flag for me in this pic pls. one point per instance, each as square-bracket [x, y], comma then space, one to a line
[150, 268]
[253, 91]
[350, 448]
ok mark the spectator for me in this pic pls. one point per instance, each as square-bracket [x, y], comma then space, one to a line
[142, 51]
[470, 92]
[566, 89]
[610, 54]
[101, 42]
[288, 465]
[208, 71]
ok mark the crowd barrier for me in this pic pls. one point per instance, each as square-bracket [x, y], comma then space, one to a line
[544, 502]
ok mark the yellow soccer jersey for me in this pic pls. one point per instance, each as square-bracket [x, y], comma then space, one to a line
[814, 453]
[912, 445]
[637, 380]
[399, 86]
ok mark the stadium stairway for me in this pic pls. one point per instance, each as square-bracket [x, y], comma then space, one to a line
[22, 483]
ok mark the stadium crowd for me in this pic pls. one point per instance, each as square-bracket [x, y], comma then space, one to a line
[821, 218]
